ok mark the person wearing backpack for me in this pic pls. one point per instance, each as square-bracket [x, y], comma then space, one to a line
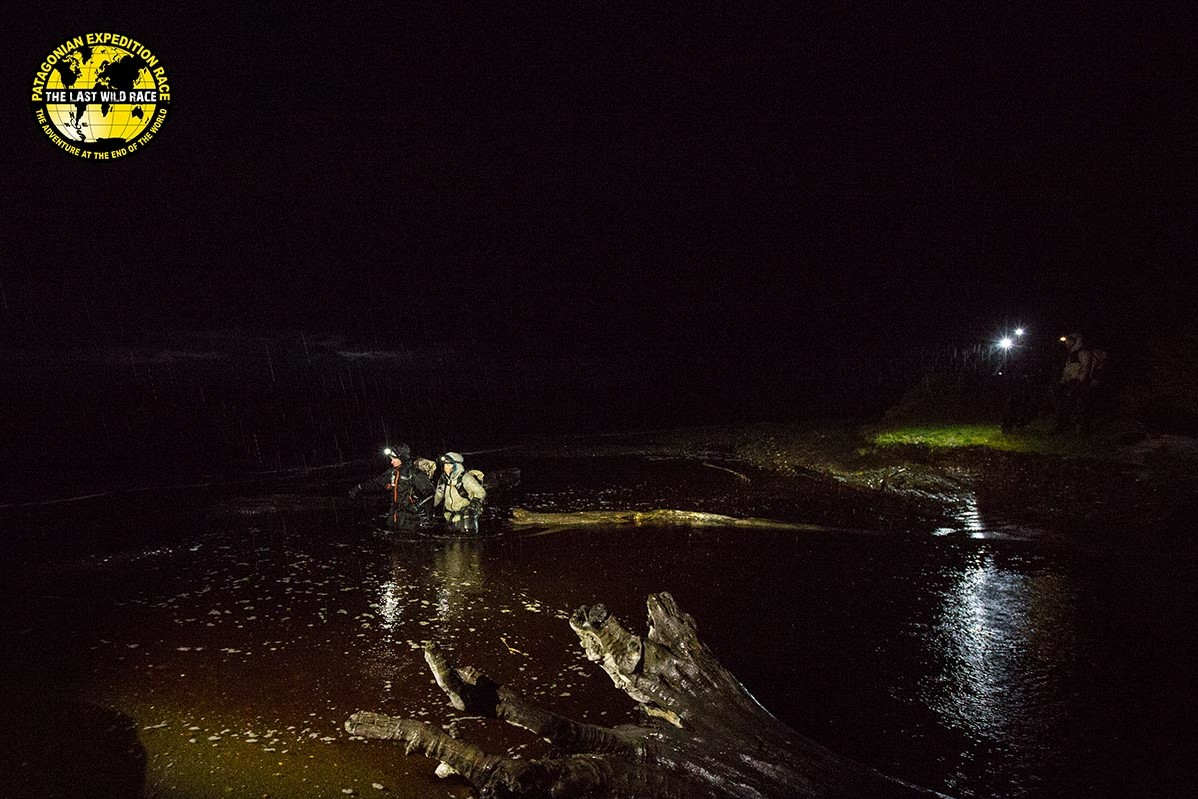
[1075, 408]
[407, 488]
[460, 493]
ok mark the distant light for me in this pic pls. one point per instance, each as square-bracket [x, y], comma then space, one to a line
[1019, 331]
[1062, 338]
[1007, 343]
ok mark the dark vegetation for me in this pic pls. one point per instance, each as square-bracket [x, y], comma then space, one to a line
[238, 406]
[209, 407]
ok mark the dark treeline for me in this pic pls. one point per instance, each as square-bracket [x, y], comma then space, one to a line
[231, 405]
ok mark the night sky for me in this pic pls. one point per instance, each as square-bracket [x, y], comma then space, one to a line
[744, 183]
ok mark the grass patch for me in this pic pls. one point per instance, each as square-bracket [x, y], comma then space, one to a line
[951, 436]
[958, 435]
[990, 436]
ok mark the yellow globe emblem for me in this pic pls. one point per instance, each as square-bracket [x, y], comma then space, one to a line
[100, 95]
[104, 72]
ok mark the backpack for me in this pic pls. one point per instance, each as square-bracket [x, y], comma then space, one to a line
[461, 489]
[475, 473]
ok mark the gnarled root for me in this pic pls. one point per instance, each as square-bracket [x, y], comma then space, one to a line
[705, 737]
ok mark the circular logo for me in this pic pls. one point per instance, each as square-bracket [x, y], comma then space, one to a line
[101, 96]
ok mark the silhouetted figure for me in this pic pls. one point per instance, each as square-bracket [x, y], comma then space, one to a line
[1028, 372]
[1019, 406]
[1075, 407]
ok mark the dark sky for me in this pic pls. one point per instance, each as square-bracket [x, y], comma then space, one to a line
[730, 181]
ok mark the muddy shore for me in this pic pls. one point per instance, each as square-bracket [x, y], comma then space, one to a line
[1142, 486]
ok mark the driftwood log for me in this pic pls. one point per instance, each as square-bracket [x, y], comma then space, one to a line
[704, 735]
[658, 517]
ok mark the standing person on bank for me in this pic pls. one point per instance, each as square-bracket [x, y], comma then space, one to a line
[1075, 409]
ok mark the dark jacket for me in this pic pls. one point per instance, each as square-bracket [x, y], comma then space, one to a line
[405, 487]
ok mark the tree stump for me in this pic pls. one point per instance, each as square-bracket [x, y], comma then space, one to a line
[704, 735]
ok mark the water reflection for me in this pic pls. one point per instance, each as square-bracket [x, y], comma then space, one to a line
[969, 517]
[390, 605]
[455, 579]
[457, 567]
[1003, 655]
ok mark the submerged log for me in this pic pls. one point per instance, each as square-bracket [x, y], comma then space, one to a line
[656, 517]
[704, 735]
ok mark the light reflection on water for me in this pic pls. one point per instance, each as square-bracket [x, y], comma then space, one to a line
[390, 605]
[969, 517]
[458, 570]
[1002, 648]
[454, 580]
[970, 521]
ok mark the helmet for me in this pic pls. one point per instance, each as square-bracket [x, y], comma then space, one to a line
[401, 451]
[452, 457]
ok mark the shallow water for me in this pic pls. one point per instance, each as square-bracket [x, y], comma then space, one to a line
[224, 658]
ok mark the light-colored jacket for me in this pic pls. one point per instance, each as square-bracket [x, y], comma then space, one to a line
[453, 499]
[1079, 364]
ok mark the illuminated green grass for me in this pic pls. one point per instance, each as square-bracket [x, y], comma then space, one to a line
[959, 435]
[951, 436]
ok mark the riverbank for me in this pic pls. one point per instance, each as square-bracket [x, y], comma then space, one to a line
[1110, 485]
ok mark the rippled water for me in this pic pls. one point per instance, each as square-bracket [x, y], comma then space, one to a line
[224, 660]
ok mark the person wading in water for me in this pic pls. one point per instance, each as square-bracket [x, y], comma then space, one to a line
[406, 487]
[460, 493]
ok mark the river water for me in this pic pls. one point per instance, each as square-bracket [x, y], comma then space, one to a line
[211, 641]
